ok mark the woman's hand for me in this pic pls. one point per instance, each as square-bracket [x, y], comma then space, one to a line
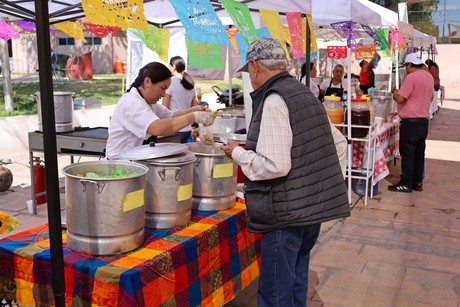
[200, 108]
[203, 117]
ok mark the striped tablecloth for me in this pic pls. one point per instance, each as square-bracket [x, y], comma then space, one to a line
[207, 262]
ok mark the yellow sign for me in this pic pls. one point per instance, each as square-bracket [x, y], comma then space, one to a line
[222, 170]
[133, 200]
[184, 192]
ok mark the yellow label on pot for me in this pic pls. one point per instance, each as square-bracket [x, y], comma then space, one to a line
[222, 170]
[133, 200]
[184, 192]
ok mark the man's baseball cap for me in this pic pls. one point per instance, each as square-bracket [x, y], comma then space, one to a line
[263, 49]
[413, 58]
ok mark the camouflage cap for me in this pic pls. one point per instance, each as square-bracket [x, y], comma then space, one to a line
[264, 49]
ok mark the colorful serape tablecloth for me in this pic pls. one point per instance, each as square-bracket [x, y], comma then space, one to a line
[386, 146]
[206, 263]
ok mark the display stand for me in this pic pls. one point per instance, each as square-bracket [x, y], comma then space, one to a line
[365, 172]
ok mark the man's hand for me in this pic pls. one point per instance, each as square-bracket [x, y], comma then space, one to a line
[228, 149]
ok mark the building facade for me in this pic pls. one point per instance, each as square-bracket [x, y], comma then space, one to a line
[105, 52]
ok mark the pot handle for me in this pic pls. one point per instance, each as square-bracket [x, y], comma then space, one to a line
[100, 186]
[163, 172]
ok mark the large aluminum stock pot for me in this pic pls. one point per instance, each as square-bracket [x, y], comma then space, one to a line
[105, 206]
[214, 178]
[168, 192]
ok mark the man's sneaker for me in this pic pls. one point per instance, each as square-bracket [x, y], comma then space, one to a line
[400, 187]
[418, 187]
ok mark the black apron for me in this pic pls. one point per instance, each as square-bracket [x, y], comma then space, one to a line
[334, 90]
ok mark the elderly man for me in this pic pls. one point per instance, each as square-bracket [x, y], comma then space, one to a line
[413, 103]
[293, 180]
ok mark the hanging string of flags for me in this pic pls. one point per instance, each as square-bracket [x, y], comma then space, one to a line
[204, 29]
[101, 31]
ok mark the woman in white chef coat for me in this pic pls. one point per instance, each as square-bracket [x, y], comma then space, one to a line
[137, 116]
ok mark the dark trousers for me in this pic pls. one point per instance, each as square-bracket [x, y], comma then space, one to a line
[412, 135]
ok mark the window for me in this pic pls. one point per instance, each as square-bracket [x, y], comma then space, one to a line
[93, 41]
[66, 41]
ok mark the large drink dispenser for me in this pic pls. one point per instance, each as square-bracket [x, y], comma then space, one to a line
[360, 116]
[334, 110]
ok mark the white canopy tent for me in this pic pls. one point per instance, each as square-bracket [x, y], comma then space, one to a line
[350, 10]
[42, 12]
[423, 40]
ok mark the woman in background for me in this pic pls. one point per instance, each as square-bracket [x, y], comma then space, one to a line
[181, 95]
[314, 87]
[137, 116]
[433, 69]
[366, 75]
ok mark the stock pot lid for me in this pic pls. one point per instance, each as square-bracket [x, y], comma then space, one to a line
[147, 152]
[185, 157]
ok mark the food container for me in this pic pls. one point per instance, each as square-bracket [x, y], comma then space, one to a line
[360, 116]
[382, 102]
[229, 120]
[63, 111]
[169, 183]
[334, 110]
[105, 215]
[241, 139]
[371, 108]
[214, 178]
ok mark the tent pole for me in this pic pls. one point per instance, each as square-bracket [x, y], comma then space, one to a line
[229, 67]
[396, 71]
[50, 149]
[350, 148]
[307, 52]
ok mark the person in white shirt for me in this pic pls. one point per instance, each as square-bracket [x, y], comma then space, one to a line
[137, 116]
[293, 180]
[336, 85]
[181, 95]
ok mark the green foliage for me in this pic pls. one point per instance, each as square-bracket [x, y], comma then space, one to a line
[419, 13]
[106, 88]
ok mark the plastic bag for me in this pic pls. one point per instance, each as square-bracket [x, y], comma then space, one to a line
[206, 134]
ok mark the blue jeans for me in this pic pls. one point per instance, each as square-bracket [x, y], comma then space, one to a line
[283, 279]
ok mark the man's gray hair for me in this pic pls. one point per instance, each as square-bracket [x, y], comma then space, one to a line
[274, 64]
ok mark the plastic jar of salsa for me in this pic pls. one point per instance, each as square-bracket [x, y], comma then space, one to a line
[360, 115]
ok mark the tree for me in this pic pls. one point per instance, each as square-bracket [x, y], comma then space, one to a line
[419, 12]
[6, 72]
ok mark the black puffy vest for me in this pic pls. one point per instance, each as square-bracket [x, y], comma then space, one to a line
[314, 190]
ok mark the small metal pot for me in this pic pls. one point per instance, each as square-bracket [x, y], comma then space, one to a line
[214, 178]
[63, 111]
[168, 192]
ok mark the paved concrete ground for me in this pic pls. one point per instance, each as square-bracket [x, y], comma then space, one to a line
[399, 250]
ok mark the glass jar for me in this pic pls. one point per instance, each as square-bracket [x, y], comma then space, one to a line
[361, 116]
[334, 110]
[371, 107]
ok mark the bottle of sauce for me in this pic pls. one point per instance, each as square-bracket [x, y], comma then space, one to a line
[360, 115]
[334, 110]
